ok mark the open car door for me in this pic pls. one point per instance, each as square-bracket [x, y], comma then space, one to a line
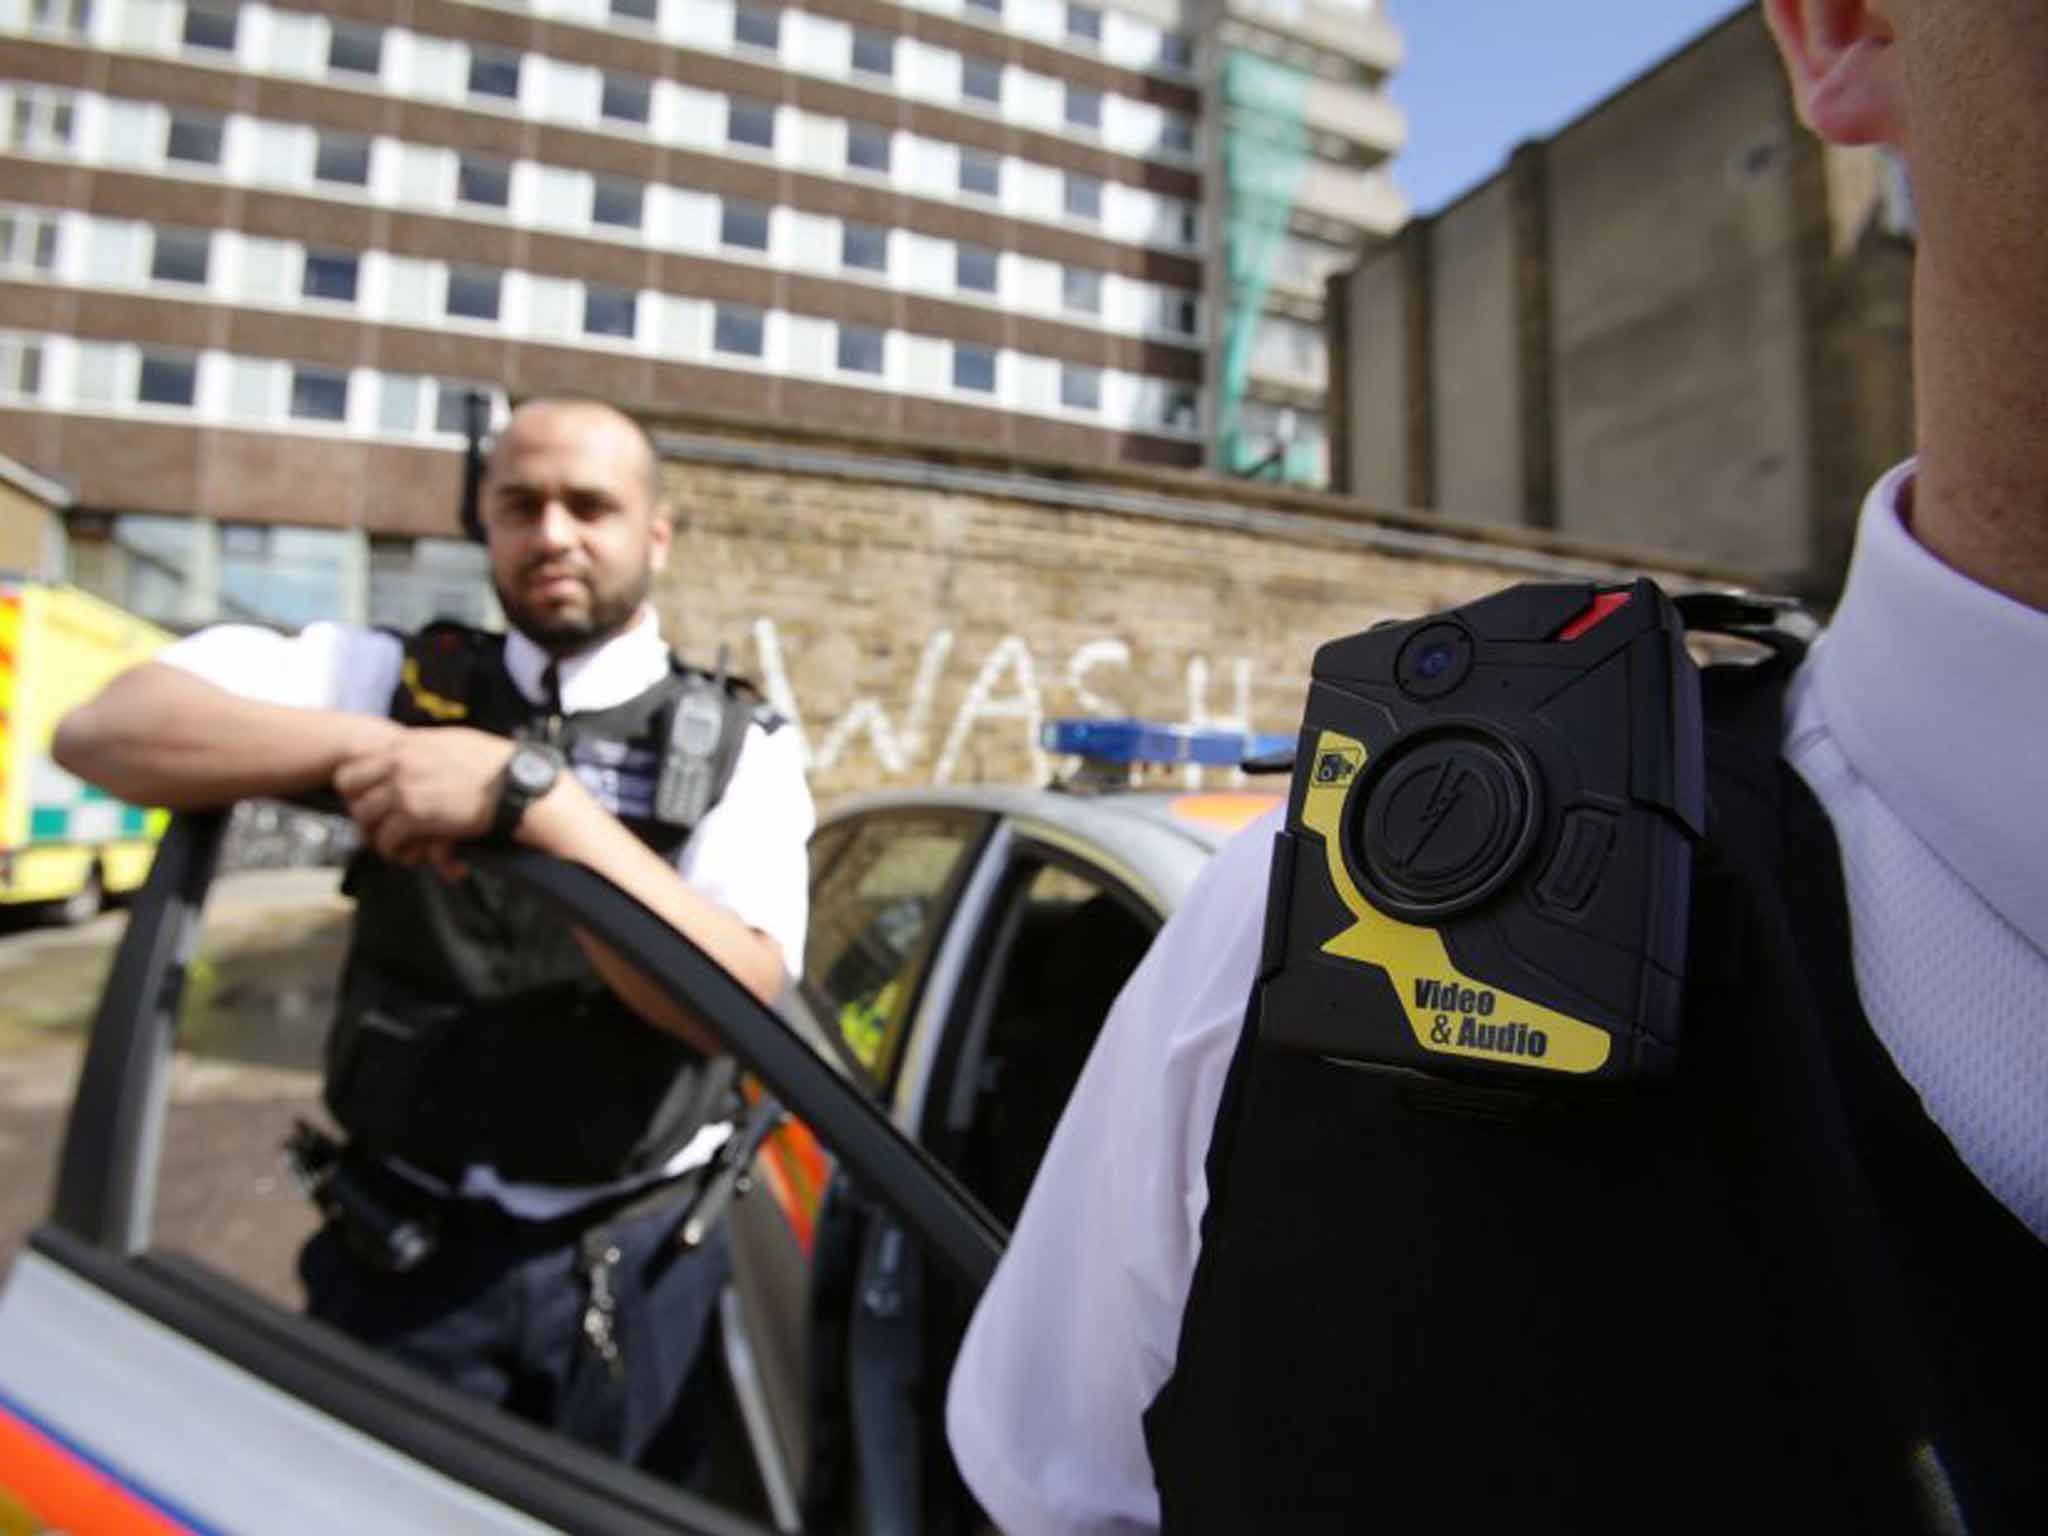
[148, 1392]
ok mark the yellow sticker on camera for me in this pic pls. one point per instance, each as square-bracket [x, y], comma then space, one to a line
[1451, 1014]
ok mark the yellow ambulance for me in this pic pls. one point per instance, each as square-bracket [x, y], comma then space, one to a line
[64, 845]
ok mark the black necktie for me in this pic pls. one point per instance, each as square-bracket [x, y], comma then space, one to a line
[551, 694]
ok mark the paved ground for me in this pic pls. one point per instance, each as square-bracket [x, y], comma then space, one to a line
[256, 1008]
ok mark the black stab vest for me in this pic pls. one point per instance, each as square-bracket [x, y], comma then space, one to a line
[471, 1029]
[1766, 1297]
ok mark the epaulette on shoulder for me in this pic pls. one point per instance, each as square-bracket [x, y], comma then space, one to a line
[741, 690]
[447, 634]
[440, 665]
[736, 687]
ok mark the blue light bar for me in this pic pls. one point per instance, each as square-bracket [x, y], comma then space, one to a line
[1150, 741]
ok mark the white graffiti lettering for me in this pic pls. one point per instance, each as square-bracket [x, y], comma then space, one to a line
[1014, 655]
[1096, 653]
[893, 750]
[1198, 709]
[1005, 688]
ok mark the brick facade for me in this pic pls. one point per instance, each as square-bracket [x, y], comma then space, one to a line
[920, 616]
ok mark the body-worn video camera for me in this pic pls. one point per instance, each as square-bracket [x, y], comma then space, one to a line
[1485, 872]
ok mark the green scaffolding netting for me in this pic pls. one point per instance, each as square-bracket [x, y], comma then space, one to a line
[1265, 152]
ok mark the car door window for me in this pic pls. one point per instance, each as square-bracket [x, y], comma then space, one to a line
[1061, 950]
[877, 906]
[256, 989]
[1055, 948]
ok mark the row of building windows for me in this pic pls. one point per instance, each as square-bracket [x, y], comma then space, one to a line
[302, 43]
[1135, 42]
[230, 389]
[187, 571]
[148, 136]
[1291, 349]
[80, 248]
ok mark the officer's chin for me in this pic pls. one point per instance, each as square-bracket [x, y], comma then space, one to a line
[557, 631]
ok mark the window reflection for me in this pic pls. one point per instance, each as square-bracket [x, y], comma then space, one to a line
[288, 577]
[873, 908]
[184, 572]
[414, 581]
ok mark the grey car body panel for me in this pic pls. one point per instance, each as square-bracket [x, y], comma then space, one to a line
[205, 1435]
[1139, 835]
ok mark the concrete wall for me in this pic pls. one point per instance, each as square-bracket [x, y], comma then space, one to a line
[1372, 356]
[1679, 331]
[31, 533]
[919, 617]
[1679, 325]
[1478, 417]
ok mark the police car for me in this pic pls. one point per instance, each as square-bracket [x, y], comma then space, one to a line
[964, 947]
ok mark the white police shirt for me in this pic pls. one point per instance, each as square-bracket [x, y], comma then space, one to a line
[1921, 723]
[749, 854]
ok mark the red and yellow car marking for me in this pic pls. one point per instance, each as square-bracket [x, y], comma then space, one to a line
[795, 1168]
[10, 642]
[50, 1485]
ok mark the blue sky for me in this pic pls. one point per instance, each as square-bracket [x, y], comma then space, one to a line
[1482, 75]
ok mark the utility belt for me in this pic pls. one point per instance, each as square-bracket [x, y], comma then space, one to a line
[395, 1224]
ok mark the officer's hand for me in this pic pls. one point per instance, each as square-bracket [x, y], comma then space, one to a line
[423, 788]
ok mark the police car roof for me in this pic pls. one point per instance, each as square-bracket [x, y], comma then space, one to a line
[1204, 819]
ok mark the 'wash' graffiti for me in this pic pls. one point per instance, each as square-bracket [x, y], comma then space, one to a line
[1004, 694]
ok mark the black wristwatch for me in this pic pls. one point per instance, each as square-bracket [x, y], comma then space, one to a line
[529, 773]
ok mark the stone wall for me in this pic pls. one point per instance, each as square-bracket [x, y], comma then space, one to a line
[918, 617]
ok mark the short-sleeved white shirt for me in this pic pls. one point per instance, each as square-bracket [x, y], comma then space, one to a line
[1919, 722]
[749, 854]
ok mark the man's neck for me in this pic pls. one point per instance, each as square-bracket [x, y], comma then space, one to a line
[1981, 395]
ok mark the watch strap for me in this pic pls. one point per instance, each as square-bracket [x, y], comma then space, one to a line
[514, 796]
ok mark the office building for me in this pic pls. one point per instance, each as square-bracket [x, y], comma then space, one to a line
[252, 256]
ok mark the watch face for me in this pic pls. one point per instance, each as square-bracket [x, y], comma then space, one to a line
[531, 771]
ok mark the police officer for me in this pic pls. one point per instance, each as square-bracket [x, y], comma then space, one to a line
[527, 1117]
[1849, 1336]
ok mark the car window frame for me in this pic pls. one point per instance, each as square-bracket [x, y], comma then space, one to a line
[1019, 848]
[823, 1011]
[98, 1226]
[965, 1034]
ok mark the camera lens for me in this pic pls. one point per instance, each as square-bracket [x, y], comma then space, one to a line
[1435, 661]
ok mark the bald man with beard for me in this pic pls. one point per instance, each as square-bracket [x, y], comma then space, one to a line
[535, 1110]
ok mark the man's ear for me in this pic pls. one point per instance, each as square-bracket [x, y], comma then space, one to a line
[660, 533]
[1844, 67]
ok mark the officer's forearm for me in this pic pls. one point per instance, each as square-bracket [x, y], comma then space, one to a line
[647, 1000]
[157, 735]
[568, 823]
